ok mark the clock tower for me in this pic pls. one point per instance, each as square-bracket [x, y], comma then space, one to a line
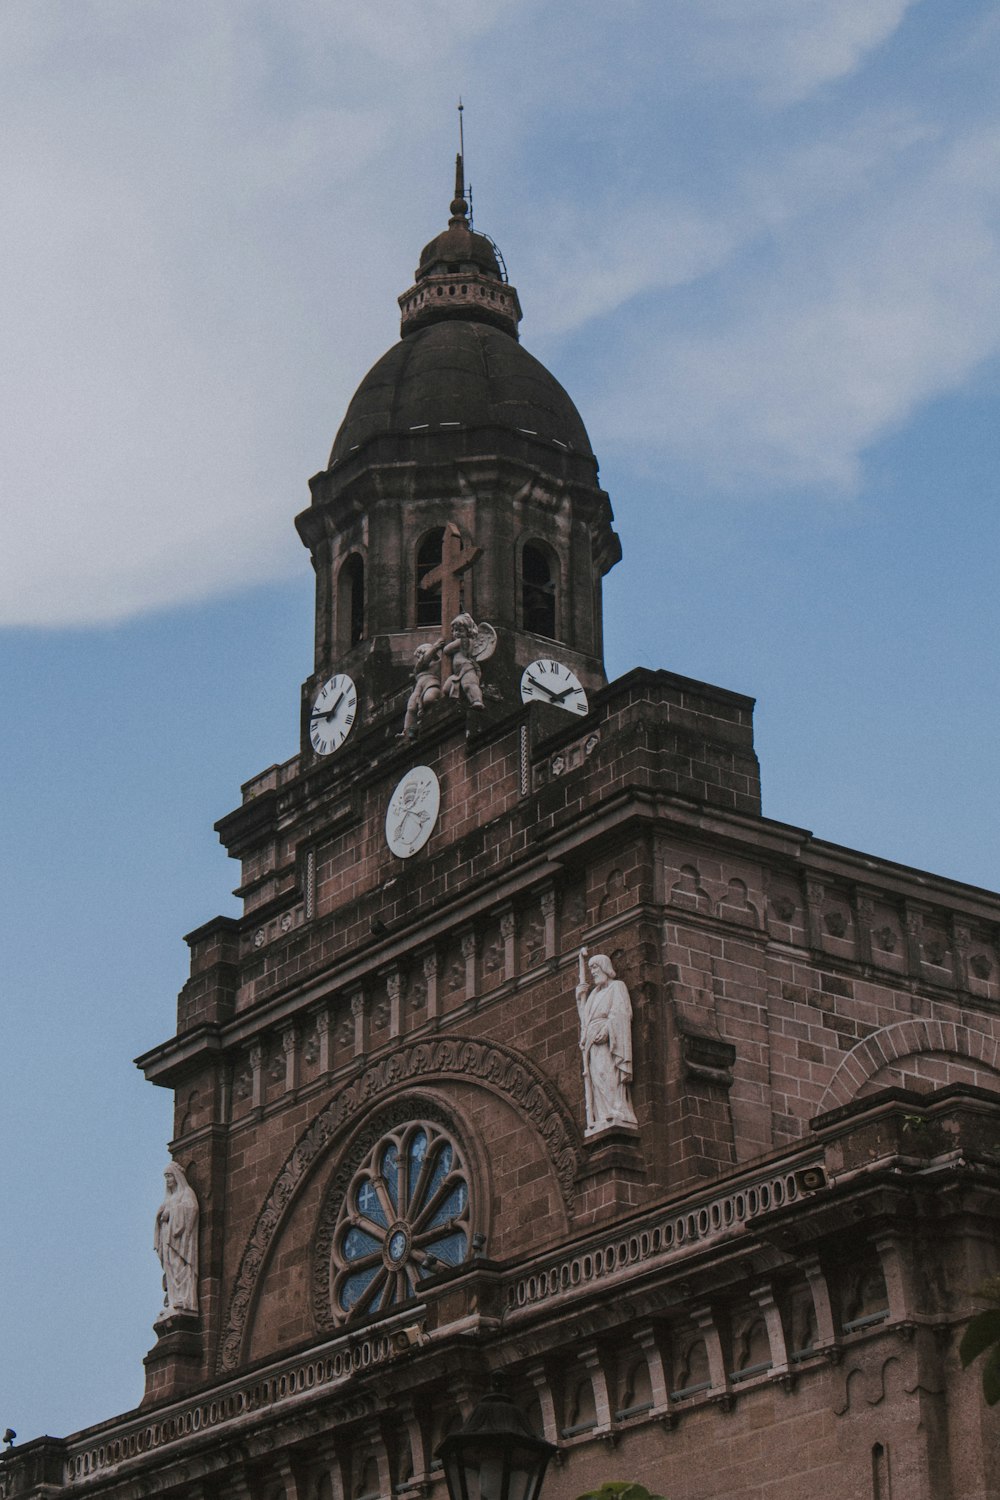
[537, 1054]
[461, 481]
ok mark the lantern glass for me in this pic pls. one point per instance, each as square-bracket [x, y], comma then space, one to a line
[496, 1456]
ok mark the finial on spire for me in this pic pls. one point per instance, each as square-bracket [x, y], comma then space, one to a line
[459, 205]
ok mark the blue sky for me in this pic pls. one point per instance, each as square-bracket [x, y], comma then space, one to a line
[760, 245]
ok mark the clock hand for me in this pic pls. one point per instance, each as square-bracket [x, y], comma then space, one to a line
[330, 711]
[558, 697]
[553, 697]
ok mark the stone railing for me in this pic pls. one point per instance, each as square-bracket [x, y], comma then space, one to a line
[657, 1240]
[322, 1370]
[661, 1238]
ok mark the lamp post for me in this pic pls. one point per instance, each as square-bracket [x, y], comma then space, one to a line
[495, 1456]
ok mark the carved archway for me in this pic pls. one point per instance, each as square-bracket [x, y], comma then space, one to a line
[906, 1039]
[497, 1068]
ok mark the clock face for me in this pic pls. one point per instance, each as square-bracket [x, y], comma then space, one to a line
[332, 715]
[550, 681]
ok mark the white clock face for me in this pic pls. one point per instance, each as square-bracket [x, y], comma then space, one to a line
[332, 715]
[550, 681]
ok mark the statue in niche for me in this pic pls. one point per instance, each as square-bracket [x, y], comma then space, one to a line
[605, 1010]
[175, 1240]
[426, 686]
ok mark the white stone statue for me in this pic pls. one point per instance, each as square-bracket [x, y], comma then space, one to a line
[175, 1240]
[606, 1044]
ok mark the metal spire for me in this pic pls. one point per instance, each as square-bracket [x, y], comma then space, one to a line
[459, 205]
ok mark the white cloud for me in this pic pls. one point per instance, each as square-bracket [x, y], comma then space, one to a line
[858, 322]
[787, 49]
[198, 265]
[209, 212]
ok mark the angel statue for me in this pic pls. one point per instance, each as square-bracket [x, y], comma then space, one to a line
[426, 686]
[470, 644]
[175, 1240]
[605, 1010]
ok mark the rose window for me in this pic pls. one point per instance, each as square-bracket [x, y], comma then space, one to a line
[404, 1217]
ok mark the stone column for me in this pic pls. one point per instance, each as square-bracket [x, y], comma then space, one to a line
[647, 1341]
[704, 1321]
[764, 1297]
[508, 933]
[290, 1047]
[430, 963]
[256, 1055]
[469, 953]
[225, 1087]
[814, 911]
[591, 1361]
[826, 1333]
[914, 933]
[406, 1418]
[323, 1061]
[896, 1269]
[864, 921]
[961, 941]
[550, 911]
[329, 1463]
[536, 1374]
[289, 1478]
[394, 989]
[360, 1023]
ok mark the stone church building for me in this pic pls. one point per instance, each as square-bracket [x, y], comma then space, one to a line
[539, 1057]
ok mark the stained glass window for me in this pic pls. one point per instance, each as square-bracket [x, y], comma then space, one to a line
[405, 1216]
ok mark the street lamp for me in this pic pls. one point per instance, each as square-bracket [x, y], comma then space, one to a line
[495, 1456]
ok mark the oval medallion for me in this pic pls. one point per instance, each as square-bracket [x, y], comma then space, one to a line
[412, 812]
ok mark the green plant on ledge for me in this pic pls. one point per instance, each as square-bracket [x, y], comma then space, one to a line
[616, 1489]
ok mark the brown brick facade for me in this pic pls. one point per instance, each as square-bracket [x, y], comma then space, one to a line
[758, 1291]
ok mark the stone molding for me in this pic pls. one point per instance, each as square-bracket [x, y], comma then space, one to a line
[906, 1039]
[499, 1068]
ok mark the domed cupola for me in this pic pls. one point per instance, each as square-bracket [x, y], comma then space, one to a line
[460, 276]
[461, 479]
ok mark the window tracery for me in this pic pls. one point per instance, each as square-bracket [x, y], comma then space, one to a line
[404, 1217]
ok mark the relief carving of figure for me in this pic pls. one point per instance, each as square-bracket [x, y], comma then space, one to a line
[175, 1240]
[605, 1010]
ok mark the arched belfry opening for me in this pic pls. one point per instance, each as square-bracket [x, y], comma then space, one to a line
[429, 554]
[539, 571]
[351, 600]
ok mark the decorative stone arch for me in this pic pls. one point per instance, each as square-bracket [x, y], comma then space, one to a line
[497, 1068]
[906, 1039]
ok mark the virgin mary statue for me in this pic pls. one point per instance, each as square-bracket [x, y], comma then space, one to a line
[175, 1240]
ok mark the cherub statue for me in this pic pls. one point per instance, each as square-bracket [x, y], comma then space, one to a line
[426, 686]
[470, 644]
